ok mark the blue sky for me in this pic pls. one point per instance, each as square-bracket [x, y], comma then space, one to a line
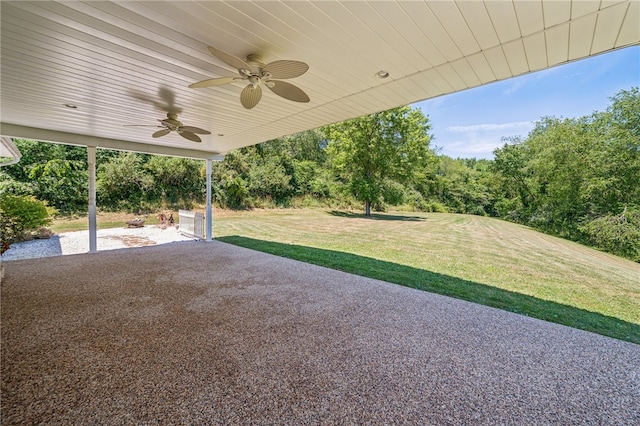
[471, 123]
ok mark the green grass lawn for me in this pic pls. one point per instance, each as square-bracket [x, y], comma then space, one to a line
[483, 260]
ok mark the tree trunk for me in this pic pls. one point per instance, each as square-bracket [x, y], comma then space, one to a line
[367, 208]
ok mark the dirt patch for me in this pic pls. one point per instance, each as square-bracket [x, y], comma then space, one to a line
[132, 240]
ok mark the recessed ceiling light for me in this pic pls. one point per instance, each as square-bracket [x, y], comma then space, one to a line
[221, 134]
[72, 106]
[382, 74]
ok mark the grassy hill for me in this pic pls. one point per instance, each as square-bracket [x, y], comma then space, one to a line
[483, 260]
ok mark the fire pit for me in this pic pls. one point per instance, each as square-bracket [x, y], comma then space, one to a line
[135, 223]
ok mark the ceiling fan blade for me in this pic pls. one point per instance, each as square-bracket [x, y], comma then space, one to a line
[191, 136]
[229, 59]
[250, 96]
[286, 69]
[214, 82]
[160, 133]
[192, 129]
[288, 91]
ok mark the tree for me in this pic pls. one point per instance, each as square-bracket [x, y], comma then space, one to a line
[304, 146]
[273, 172]
[51, 172]
[177, 181]
[461, 187]
[511, 165]
[229, 185]
[578, 178]
[303, 157]
[368, 151]
[123, 183]
[63, 183]
[618, 161]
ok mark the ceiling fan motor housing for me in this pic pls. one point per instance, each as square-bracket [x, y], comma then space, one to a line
[256, 75]
[172, 122]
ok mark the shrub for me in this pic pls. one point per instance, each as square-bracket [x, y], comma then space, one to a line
[619, 235]
[235, 193]
[320, 187]
[12, 186]
[20, 214]
[435, 207]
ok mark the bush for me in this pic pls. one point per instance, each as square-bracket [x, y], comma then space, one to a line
[234, 193]
[12, 186]
[418, 203]
[619, 235]
[435, 207]
[20, 214]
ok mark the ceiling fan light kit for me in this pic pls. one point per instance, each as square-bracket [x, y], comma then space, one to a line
[258, 74]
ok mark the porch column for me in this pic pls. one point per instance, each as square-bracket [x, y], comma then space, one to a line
[209, 209]
[93, 234]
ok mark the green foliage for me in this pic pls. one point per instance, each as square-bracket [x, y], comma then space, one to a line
[268, 179]
[393, 192]
[229, 185]
[177, 182]
[462, 186]
[236, 192]
[10, 185]
[63, 183]
[123, 183]
[52, 172]
[310, 178]
[304, 146]
[618, 234]
[20, 214]
[132, 182]
[572, 177]
[624, 110]
[272, 173]
[369, 151]
[514, 181]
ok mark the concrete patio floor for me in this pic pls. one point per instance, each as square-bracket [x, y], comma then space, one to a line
[210, 333]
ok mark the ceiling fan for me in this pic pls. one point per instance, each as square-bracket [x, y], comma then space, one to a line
[171, 124]
[257, 73]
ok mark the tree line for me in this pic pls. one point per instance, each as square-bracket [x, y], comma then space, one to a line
[577, 178]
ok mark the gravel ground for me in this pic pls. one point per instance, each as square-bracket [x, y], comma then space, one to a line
[210, 333]
[108, 239]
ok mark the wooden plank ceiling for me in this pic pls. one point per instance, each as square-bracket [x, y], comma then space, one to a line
[130, 62]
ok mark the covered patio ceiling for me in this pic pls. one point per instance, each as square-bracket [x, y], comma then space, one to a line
[83, 72]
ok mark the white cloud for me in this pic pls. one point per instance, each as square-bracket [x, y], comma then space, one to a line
[480, 140]
[522, 125]
[478, 148]
[515, 86]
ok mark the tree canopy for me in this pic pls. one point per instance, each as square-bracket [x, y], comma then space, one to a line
[568, 174]
[372, 152]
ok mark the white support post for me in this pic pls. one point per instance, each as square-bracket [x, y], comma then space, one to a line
[209, 219]
[93, 233]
